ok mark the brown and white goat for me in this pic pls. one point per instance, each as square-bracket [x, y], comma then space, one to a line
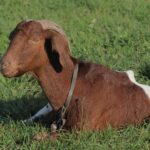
[101, 96]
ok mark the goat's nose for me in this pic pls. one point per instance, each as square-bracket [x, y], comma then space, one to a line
[4, 65]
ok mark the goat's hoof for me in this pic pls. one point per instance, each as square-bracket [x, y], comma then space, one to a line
[27, 121]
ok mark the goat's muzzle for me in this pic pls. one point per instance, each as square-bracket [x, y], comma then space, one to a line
[8, 69]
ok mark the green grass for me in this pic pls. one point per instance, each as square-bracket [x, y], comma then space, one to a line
[115, 33]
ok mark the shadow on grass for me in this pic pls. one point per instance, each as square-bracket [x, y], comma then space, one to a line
[20, 109]
[23, 108]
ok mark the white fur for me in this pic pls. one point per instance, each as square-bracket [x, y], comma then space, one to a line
[42, 112]
[146, 88]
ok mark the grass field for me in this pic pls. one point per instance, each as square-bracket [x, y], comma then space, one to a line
[111, 32]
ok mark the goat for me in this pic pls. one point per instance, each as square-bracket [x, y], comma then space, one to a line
[101, 96]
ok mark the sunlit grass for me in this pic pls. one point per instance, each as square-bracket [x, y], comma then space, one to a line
[115, 33]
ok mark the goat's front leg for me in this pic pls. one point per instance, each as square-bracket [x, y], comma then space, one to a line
[40, 114]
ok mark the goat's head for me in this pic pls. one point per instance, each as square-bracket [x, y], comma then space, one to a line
[32, 45]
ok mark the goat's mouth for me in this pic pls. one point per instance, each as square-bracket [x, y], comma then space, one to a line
[9, 72]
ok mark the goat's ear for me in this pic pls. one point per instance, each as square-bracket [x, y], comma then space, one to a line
[53, 56]
[14, 32]
[57, 48]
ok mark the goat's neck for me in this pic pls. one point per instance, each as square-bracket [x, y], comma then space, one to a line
[55, 85]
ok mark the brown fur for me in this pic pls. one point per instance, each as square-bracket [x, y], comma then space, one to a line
[102, 97]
